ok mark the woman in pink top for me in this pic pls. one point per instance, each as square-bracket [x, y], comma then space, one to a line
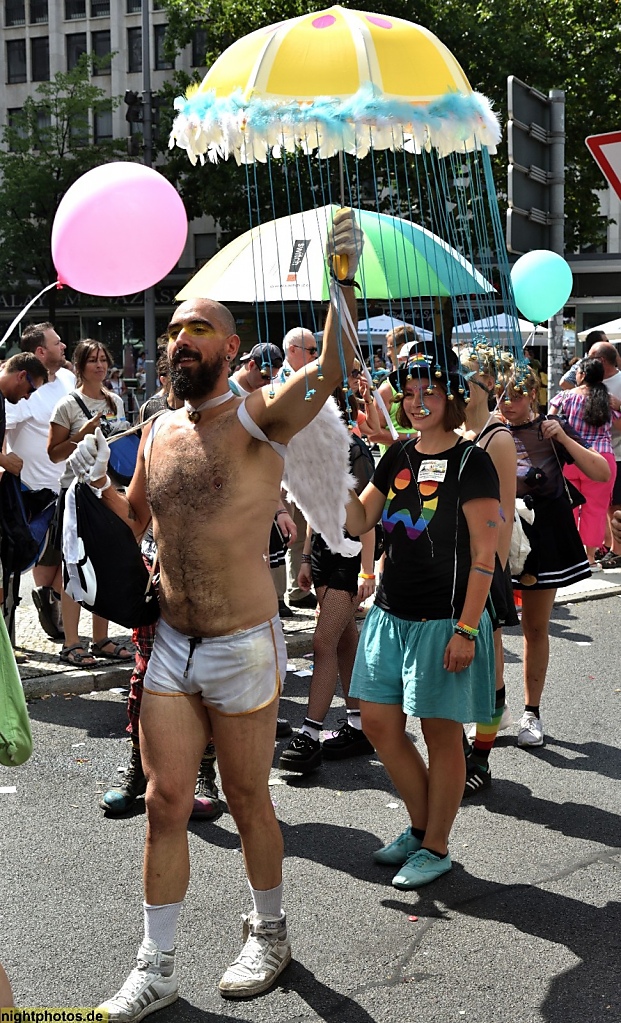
[587, 409]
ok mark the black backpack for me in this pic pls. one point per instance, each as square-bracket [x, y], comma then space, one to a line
[25, 516]
[110, 578]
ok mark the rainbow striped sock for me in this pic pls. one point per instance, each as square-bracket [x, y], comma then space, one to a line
[486, 733]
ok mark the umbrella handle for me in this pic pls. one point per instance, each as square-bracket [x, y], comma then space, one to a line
[340, 265]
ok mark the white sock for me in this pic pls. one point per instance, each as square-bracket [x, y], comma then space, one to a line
[353, 719]
[312, 728]
[267, 903]
[160, 924]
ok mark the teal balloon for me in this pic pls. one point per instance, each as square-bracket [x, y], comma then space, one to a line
[542, 282]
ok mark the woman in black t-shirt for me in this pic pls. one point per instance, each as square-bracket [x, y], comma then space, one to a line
[426, 648]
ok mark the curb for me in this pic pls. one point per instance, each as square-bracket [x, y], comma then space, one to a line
[581, 597]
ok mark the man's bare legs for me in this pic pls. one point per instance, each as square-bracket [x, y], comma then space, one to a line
[245, 746]
[174, 731]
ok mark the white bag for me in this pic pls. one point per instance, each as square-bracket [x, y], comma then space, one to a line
[520, 547]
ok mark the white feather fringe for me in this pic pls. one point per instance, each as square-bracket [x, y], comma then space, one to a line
[317, 477]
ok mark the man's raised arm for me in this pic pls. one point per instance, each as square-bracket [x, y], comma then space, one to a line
[297, 402]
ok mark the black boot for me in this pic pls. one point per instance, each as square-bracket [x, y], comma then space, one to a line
[121, 798]
[207, 805]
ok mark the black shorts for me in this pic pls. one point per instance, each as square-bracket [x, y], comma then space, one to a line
[501, 602]
[333, 570]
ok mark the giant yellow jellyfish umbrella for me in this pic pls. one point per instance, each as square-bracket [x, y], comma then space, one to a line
[333, 81]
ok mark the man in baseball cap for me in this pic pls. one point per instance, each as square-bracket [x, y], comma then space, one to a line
[260, 364]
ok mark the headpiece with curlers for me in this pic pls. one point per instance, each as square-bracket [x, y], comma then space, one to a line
[423, 365]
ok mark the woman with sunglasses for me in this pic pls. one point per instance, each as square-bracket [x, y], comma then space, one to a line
[426, 648]
[544, 446]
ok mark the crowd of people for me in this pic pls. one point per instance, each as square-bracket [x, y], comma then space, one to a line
[464, 448]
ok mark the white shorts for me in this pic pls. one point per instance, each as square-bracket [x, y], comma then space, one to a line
[235, 674]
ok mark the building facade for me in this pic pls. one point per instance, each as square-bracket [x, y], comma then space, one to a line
[43, 37]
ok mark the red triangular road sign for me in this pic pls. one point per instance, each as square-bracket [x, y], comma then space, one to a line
[606, 150]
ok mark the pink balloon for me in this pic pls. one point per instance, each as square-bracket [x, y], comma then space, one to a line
[119, 229]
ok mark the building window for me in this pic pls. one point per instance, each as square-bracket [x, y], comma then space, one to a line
[16, 121]
[133, 6]
[76, 48]
[40, 59]
[44, 120]
[38, 12]
[14, 12]
[16, 61]
[199, 47]
[103, 125]
[100, 8]
[134, 49]
[101, 46]
[161, 61]
[75, 9]
[205, 246]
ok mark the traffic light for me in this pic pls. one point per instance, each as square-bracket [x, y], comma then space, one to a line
[133, 102]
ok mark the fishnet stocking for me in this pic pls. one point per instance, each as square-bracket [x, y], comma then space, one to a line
[334, 647]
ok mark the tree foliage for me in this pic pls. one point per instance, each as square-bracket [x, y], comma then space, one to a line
[549, 44]
[47, 147]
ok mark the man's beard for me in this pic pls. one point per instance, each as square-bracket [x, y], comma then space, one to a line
[189, 383]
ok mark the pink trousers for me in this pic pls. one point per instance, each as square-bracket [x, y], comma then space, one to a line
[591, 516]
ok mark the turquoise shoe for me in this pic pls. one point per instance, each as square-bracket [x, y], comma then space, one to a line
[421, 868]
[397, 852]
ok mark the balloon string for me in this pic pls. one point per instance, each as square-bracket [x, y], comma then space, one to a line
[23, 312]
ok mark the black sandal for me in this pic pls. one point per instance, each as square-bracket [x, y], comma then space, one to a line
[98, 651]
[71, 655]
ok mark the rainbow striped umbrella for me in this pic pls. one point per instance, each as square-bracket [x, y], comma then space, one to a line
[284, 260]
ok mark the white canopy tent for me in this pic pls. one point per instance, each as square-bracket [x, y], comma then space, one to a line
[612, 330]
[501, 328]
[378, 326]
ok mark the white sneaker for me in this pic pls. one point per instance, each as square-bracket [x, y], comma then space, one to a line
[505, 722]
[530, 731]
[149, 987]
[264, 956]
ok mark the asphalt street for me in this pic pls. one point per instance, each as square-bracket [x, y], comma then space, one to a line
[526, 927]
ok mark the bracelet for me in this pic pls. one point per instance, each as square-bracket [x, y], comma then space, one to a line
[347, 282]
[306, 559]
[466, 630]
[365, 575]
[466, 635]
[281, 511]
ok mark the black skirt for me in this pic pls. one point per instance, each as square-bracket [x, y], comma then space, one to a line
[557, 557]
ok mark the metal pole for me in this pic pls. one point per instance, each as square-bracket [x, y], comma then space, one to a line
[147, 157]
[557, 229]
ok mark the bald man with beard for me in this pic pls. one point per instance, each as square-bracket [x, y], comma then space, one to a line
[209, 476]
